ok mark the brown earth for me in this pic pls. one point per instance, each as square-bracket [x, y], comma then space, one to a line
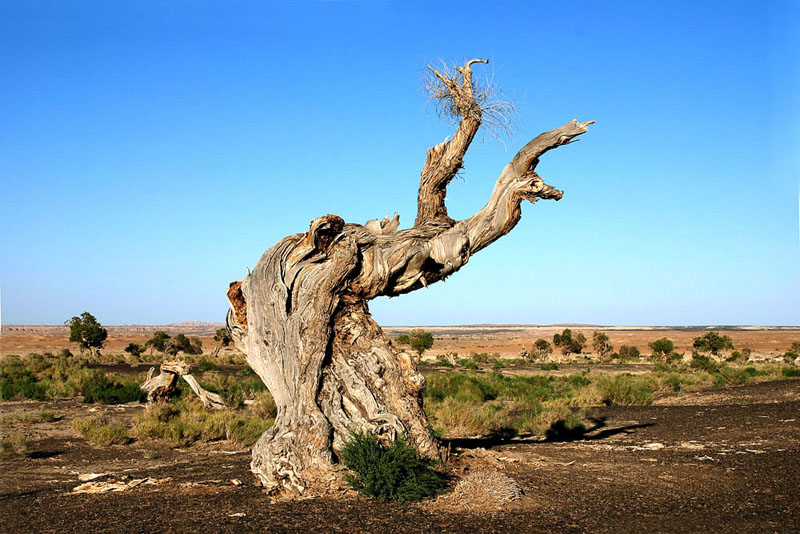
[505, 340]
[718, 461]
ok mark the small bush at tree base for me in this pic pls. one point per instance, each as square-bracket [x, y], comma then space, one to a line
[393, 473]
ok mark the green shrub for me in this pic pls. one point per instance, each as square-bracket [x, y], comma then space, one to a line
[790, 356]
[628, 352]
[468, 364]
[673, 381]
[47, 416]
[17, 381]
[96, 431]
[626, 389]
[134, 349]
[498, 364]
[480, 357]
[674, 357]
[542, 348]
[703, 362]
[436, 432]
[14, 444]
[206, 364]
[790, 372]
[549, 367]
[95, 386]
[726, 376]
[394, 473]
[188, 421]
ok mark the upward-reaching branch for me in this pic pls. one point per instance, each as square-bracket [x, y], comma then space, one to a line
[446, 159]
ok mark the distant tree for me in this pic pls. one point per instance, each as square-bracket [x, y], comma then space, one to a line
[196, 345]
[568, 343]
[420, 340]
[181, 343]
[661, 347]
[158, 341]
[542, 348]
[223, 339]
[134, 349]
[87, 332]
[795, 346]
[601, 344]
[713, 342]
[403, 339]
[628, 352]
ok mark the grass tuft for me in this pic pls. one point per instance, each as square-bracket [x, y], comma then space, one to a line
[98, 432]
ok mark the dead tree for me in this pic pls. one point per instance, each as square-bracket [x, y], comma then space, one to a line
[164, 385]
[302, 319]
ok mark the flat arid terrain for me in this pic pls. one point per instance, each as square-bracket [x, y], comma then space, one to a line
[506, 340]
[704, 450]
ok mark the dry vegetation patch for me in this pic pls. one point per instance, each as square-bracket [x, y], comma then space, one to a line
[482, 490]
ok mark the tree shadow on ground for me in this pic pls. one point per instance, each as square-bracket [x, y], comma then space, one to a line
[39, 455]
[558, 432]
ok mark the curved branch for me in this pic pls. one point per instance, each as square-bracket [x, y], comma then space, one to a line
[446, 159]
[408, 260]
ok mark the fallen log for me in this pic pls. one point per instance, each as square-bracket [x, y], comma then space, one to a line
[164, 385]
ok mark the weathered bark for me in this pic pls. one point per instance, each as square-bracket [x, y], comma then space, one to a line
[302, 319]
[164, 385]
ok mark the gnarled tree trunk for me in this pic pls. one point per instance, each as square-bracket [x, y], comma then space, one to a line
[302, 319]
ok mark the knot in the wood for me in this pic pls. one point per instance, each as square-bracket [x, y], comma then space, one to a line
[238, 304]
[323, 230]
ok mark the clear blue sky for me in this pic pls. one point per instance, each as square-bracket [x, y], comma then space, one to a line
[150, 152]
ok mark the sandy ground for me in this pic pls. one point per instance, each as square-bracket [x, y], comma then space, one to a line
[718, 461]
[506, 340]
